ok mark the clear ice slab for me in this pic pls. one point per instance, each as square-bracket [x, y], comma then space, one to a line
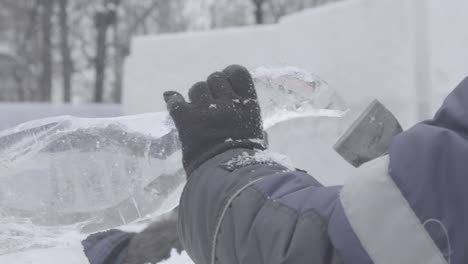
[108, 172]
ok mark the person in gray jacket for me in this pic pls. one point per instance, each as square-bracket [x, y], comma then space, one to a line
[407, 207]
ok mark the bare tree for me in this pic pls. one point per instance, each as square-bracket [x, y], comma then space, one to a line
[46, 54]
[122, 42]
[278, 8]
[105, 17]
[120, 53]
[21, 31]
[92, 62]
[259, 14]
[65, 51]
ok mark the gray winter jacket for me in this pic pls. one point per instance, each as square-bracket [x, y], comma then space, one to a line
[228, 215]
[408, 207]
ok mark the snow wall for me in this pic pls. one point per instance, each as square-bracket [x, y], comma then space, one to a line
[398, 51]
[407, 53]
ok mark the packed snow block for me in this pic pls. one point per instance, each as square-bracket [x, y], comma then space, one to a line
[308, 143]
[406, 54]
[448, 39]
[177, 61]
[361, 48]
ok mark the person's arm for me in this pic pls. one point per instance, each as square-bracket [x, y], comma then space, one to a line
[107, 247]
[256, 213]
[152, 245]
[240, 206]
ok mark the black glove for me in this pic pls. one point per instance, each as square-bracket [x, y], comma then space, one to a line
[223, 114]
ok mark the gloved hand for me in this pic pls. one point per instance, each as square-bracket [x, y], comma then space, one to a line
[107, 247]
[223, 114]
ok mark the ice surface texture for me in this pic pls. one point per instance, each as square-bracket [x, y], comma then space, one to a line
[69, 167]
[289, 92]
[109, 172]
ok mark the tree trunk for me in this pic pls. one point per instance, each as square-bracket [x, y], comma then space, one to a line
[67, 64]
[259, 11]
[28, 44]
[101, 56]
[19, 81]
[122, 42]
[103, 19]
[120, 55]
[46, 54]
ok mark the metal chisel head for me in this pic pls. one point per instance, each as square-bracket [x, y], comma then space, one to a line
[369, 137]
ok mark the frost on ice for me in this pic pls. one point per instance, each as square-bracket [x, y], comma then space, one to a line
[95, 174]
[289, 92]
[66, 170]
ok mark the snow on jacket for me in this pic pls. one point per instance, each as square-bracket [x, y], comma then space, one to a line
[408, 207]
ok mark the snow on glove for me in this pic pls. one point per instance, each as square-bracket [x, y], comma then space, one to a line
[223, 114]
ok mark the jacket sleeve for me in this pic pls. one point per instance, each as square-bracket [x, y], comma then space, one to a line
[236, 208]
[107, 247]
